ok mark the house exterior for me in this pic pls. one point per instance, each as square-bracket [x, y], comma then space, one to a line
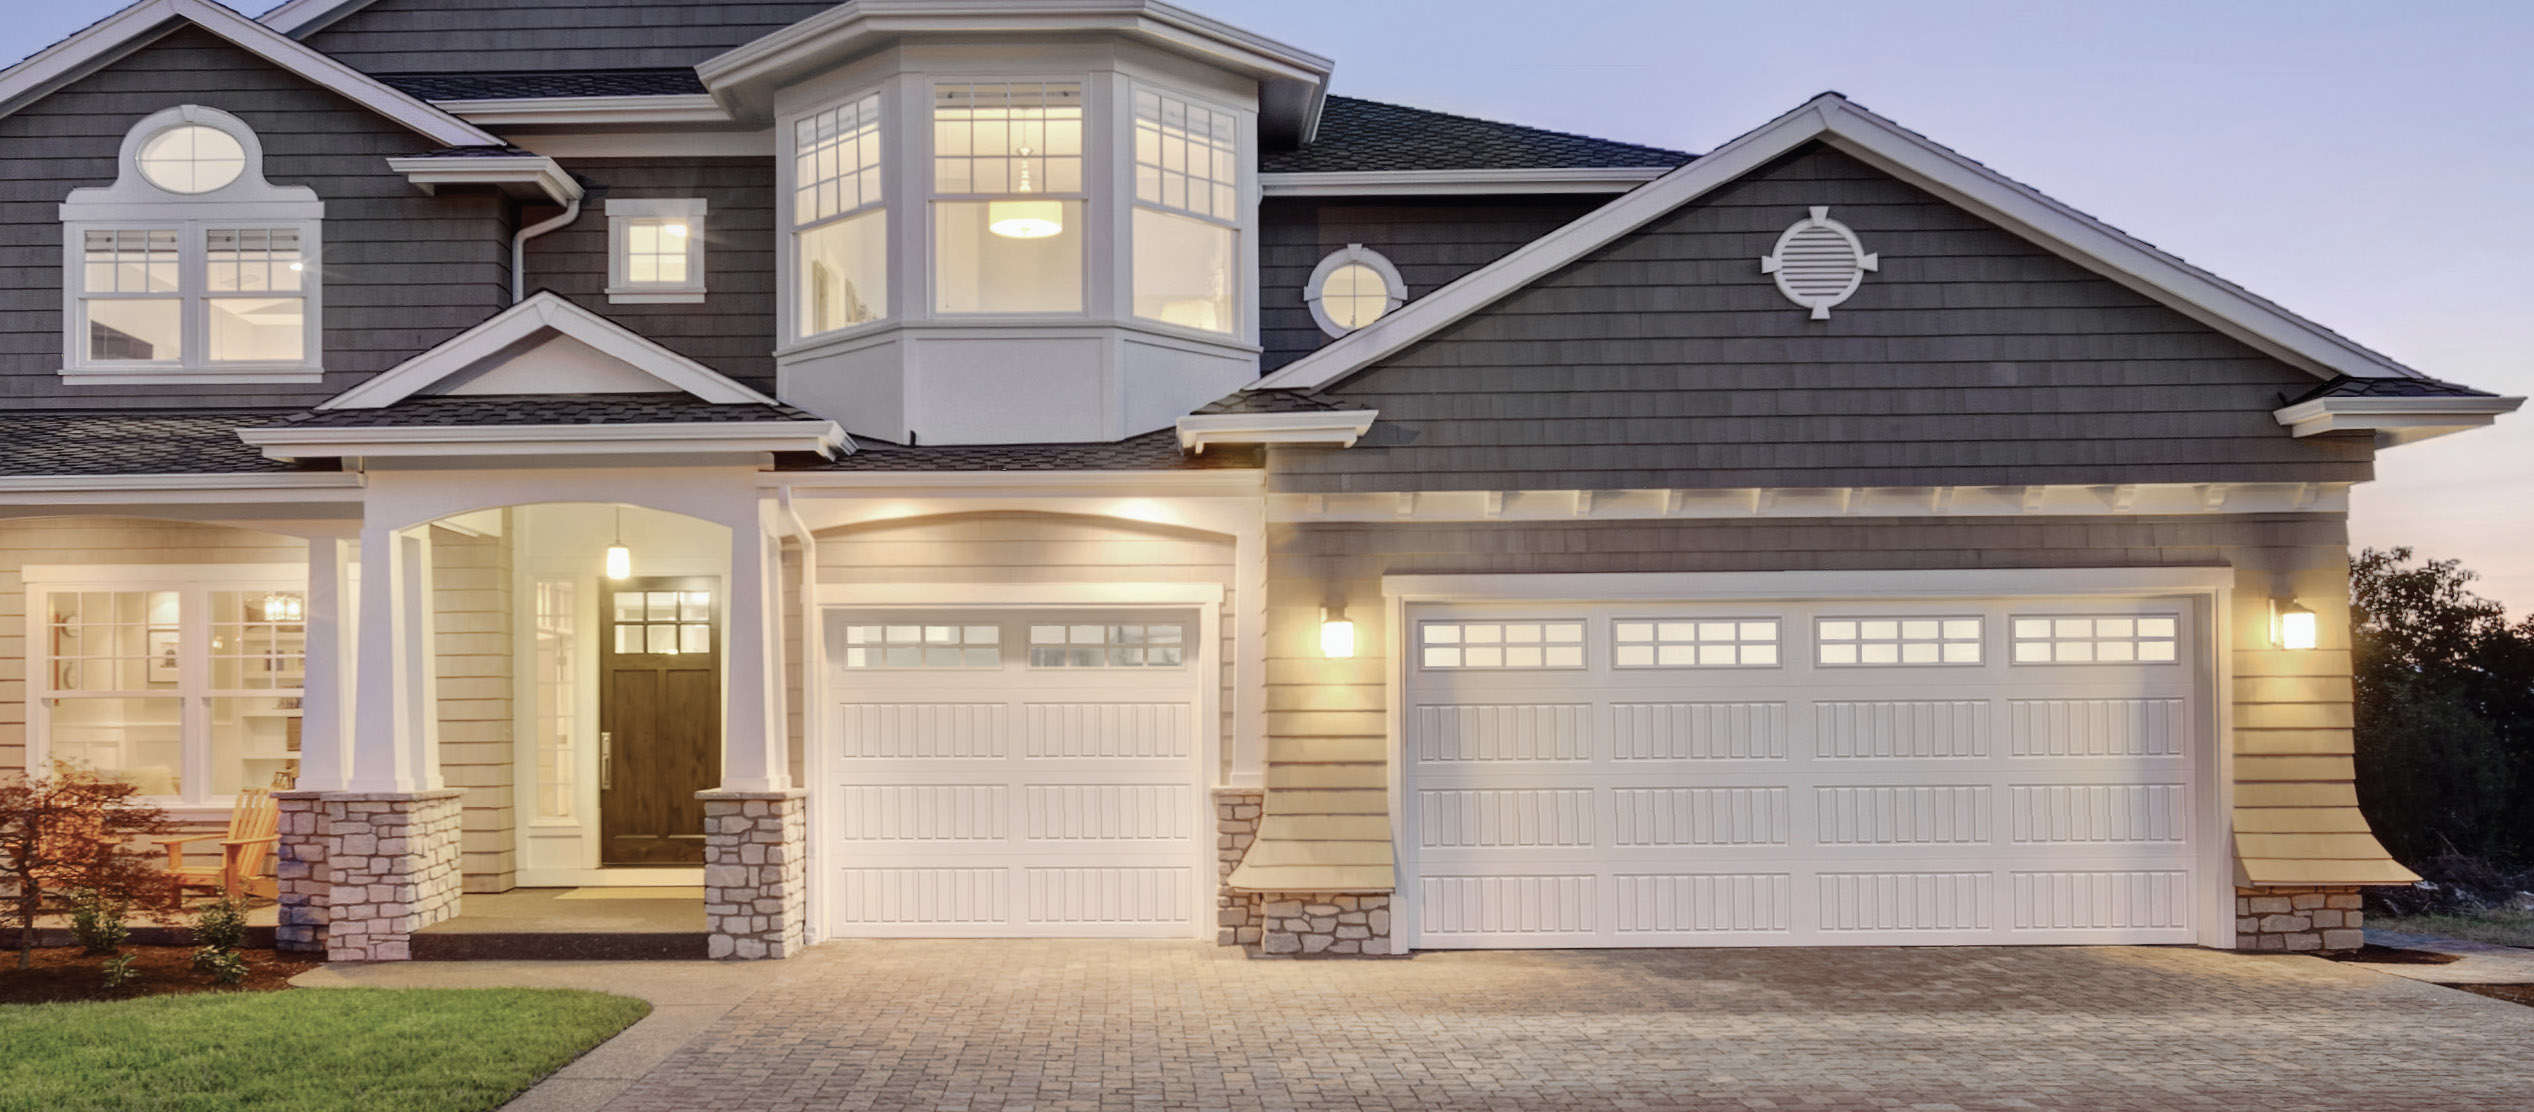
[928, 468]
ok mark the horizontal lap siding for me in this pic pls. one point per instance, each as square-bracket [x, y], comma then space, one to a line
[472, 588]
[402, 270]
[1973, 357]
[527, 36]
[732, 330]
[1432, 242]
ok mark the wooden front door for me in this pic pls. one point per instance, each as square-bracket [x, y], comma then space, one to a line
[659, 718]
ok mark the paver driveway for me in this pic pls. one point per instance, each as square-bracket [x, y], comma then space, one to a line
[1094, 1025]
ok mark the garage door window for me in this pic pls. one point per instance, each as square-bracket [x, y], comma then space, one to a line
[1900, 641]
[1457, 645]
[2121, 639]
[923, 646]
[1721, 643]
[1159, 645]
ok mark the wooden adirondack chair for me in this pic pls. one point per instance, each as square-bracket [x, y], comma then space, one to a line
[254, 828]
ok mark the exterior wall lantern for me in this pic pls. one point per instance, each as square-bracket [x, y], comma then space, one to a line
[619, 557]
[1337, 633]
[2292, 626]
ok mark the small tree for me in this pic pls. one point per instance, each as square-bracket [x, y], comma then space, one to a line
[74, 829]
[2445, 712]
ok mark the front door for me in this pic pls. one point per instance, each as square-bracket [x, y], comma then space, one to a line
[659, 717]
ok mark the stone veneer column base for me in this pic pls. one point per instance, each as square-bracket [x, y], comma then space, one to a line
[756, 869]
[1340, 924]
[2302, 919]
[360, 872]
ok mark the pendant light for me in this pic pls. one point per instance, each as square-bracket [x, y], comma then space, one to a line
[619, 557]
[1025, 219]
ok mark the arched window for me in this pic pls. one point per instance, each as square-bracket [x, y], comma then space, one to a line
[191, 267]
[1352, 288]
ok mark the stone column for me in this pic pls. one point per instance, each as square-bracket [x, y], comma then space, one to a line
[360, 872]
[2310, 919]
[756, 870]
[299, 868]
[1236, 814]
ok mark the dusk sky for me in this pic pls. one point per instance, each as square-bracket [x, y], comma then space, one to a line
[2360, 164]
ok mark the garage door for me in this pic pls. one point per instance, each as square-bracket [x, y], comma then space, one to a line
[1992, 771]
[1014, 775]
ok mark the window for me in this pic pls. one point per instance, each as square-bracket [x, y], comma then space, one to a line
[1502, 644]
[190, 267]
[187, 684]
[839, 227]
[1187, 212]
[655, 250]
[1704, 643]
[664, 623]
[1155, 645]
[556, 681]
[1352, 288]
[923, 646]
[2122, 639]
[1904, 641]
[1009, 205]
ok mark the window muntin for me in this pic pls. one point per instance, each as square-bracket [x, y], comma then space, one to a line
[655, 249]
[555, 678]
[1897, 641]
[1695, 643]
[840, 226]
[663, 622]
[655, 252]
[2097, 639]
[1505, 645]
[1187, 157]
[1009, 210]
[1108, 645]
[1187, 213]
[1353, 287]
[191, 158]
[921, 645]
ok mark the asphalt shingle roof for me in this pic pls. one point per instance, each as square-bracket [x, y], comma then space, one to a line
[1153, 451]
[510, 409]
[1364, 135]
[1272, 401]
[2348, 387]
[516, 86]
[200, 442]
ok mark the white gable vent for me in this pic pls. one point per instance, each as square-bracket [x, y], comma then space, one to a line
[1819, 263]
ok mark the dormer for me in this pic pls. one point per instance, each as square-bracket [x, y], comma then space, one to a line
[1012, 223]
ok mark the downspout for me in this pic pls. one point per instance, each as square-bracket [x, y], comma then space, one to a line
[519, 246]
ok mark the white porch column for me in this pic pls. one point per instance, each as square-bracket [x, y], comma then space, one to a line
[1249, 659]
[322, 726]
[753, 749]
[392, 719]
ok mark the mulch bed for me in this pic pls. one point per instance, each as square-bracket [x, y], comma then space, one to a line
[2514, 994]
[63, 973]
[2372, 954]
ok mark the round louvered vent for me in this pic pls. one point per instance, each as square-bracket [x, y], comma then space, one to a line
[1819, 263]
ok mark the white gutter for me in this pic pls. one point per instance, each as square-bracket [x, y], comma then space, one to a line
[519, 247]
[652, 439]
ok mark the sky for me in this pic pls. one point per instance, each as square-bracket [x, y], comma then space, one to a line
[2362, 164]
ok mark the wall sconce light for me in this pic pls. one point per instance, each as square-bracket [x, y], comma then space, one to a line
[2292, 626]
[1337, 634]
[619, 557]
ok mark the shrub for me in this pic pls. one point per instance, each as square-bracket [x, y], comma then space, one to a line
[219, 930]
[226, 967]
[118, 970]
[73, 828]
[96, 920]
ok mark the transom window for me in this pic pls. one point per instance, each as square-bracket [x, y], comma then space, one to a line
[1141, 645]
[840, 228]
[1353, 287]
[1842, 642]
[1447, 645]
[192, 158]
[1009, 205]
[664, 623]
[2111, 639]
[923, 646]
[188, 685]
[1704, 643]
[1187, 212]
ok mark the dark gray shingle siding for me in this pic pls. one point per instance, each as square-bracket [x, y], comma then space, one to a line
[390, 291]
[523, 36]
[1973, 357]
[732, 330]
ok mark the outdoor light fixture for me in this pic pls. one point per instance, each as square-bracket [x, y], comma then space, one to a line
[1337, 634]
[1025, 219]
[619, 557]
[2292, 626]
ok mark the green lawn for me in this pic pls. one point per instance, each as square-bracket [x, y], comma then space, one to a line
[412, 1050]
[2505, 928]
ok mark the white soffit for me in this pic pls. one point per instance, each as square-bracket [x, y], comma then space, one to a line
[2395, 421]
[1831, 119]
[1339, 428]
[111, 38]
[519, 173]
[464, 357]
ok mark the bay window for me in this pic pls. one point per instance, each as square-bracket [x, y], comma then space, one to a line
[1187, 212]
[839, 224]
[1008, 200]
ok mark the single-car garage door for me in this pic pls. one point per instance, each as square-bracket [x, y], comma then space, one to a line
[1014, 774]
[1989, 771]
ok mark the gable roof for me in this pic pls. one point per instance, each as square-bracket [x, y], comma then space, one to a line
[103, 42]
[1359, 136]
[543, 312]
[1833, 120]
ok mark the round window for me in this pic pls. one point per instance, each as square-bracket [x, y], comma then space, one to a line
[1352, 288]
[192, 158]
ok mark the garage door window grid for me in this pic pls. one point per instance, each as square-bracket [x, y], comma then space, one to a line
[1154, 645]
[1502, 645]
[1897, 641]
[1704, 643]
[2103, 639]
[923, 646]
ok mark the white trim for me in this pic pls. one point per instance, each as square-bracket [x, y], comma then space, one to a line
[1581, 587]
[622, 214]
[2394, 420]
[967, 596]
[1229, 482]
[1353, 254]
[710, 437]
[671, 108]
[542, 310]
[1453, 183]
[123, 32]
[1339, 428]
[2054, 500]
[1831, 119]
[545, 175]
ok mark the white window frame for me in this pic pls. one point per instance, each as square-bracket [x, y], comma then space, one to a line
[1358, 255]
[194, 584]
[623, 215]
[133, 203]
[1243, 203]
[1094, 144]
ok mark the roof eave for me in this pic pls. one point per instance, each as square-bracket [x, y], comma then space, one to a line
[652, 110]
[2395, 421]
[650, 439]
[1338, 428]
[533, 175]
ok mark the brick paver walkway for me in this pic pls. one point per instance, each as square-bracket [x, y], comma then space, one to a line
[1092, 1025]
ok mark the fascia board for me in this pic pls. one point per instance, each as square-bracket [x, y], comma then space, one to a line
[542, 310]
[1227, 481]
[674, 108]
[188, 482]
[1428, 183]
[1337, 428]
[2412, 418]
[118, 34]
[537, 170]
[542, 440]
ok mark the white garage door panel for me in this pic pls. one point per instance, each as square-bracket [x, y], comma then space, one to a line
[1797, 803]
[1008, 800]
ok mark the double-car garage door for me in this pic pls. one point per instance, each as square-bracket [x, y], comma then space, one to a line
[1988, 771]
